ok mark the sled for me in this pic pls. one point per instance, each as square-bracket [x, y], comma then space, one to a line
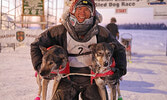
[126, 40]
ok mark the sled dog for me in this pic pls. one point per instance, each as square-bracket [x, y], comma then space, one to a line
[101, 62]
[53, 59]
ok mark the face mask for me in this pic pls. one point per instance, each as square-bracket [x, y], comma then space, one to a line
[81, 28]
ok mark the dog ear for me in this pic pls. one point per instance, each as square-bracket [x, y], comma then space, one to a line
[43, 50]
[92, 46]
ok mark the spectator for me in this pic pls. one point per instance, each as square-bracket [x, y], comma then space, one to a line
[113, 28]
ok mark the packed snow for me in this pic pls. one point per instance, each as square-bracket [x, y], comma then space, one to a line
[146, 77]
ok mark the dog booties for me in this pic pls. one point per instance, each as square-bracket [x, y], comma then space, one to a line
[37, 98]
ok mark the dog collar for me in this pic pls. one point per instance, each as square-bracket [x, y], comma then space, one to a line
[66, 70]
[49, 47]
[100, 75]
[110, 72]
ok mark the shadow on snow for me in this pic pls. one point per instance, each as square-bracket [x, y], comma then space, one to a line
[140, 87]
[141, 71]
[142, 58]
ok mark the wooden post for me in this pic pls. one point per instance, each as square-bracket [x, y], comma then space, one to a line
[0, 48]
[13, 44]
[43, 26]
[22, 19]
[166, 47]
[43, 20]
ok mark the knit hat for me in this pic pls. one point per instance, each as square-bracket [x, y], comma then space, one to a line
[78, 3]
[113, 19]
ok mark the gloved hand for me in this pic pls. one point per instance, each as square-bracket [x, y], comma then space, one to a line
[116, 74]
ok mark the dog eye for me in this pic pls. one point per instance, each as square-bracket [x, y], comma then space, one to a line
[109, 54]
[99, 53]
[50, 63]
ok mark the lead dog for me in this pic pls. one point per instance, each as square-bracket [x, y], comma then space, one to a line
[54, 60]
[101, 62]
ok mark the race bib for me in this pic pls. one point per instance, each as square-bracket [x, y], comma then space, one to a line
[74, 47]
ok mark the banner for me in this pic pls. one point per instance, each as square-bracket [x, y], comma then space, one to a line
[122, 4]
[33, 7]
[20, 35]
[157, 2]
[160, 12]
[122, 11]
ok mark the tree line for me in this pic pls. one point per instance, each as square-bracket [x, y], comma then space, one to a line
[147, 26]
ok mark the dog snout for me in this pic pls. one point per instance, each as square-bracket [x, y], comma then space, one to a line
[44, 73]
[105, 64]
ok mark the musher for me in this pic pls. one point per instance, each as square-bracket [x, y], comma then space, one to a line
[77, 31]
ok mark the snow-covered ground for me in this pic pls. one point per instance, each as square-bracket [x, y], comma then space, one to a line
[146, 78]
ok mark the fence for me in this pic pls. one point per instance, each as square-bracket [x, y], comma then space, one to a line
[14, 38]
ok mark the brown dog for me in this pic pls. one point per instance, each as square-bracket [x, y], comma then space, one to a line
[54, 60]
[101, 62]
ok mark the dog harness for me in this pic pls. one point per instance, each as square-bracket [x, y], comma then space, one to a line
[79, 53]
[93, 75]
[66, 70]
[110, 72]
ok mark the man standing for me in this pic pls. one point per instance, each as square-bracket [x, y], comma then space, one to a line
[78, 30]
[113, 28]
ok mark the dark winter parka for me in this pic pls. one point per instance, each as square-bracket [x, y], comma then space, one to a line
[57, 36]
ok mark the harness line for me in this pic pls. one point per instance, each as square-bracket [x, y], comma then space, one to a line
[66, 72]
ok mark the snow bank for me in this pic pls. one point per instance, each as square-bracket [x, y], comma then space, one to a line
[145, 79]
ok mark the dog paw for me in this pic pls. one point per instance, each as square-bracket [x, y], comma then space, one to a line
[37, 98]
